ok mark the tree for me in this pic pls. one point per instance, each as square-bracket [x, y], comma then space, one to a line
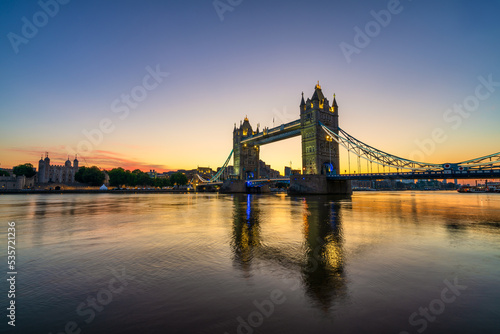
[178, 179]
[139, 178]
[27, 170]
[93, 176]
[118, 177]
[4, 173]
[144, 179]
[161, 182]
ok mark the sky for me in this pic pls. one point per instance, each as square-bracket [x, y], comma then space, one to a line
[160, 84]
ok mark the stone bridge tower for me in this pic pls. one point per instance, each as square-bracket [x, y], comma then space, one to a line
[246, 156]
[320, 153]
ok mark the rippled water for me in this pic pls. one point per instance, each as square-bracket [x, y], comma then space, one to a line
[207, 263]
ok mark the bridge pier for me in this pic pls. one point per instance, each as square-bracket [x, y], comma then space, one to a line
[318, 185]
[234, 187]
[241, 187]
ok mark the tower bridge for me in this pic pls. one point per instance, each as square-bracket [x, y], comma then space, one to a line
[322, 138]
[319, 156]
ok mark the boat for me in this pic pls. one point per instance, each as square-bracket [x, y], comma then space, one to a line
[472, 189]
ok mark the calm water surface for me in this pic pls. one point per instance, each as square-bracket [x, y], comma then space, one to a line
[405, 262]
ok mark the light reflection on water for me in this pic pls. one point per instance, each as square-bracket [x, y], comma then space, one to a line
[200, 261]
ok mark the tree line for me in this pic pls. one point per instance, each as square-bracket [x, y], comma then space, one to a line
[118, 177]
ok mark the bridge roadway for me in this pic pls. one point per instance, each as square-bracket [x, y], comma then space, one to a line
[475, 174]
[478, 174]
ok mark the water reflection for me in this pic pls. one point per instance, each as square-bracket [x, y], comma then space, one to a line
[319, 262]
[245, 231]
[323, 270]
[200, 261]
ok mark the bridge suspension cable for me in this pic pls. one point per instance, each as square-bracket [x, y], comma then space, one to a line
[494, 161]
[216, 177]
[374, 155]
[379, 157]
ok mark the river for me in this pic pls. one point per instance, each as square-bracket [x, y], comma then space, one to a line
[380, 262]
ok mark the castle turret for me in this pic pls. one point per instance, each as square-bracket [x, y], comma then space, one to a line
[75, 163]
[47, 168]
[335, 110]
[67, 163]
[41, 170]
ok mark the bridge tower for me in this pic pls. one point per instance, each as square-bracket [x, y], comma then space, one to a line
[246, 156]
[320, 153]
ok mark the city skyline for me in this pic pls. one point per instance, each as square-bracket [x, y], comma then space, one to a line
[160, 86]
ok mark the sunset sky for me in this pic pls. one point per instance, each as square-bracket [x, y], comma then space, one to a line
[160, 84]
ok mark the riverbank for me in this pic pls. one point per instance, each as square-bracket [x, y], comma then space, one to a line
[92, 191]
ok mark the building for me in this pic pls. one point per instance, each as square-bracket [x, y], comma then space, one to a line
[53, 176]
[226, 174]
[204, 170]
[56, 173]
[13, 181]
[288, 171]
[16, 182]
[153, 174]
[163, 175]
[266, 172]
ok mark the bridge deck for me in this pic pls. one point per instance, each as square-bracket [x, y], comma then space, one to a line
[481, 174]
[477, 174]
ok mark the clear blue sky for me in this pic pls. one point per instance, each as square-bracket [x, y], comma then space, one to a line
[392, 94]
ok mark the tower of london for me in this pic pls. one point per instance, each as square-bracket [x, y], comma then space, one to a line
[56, 173]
